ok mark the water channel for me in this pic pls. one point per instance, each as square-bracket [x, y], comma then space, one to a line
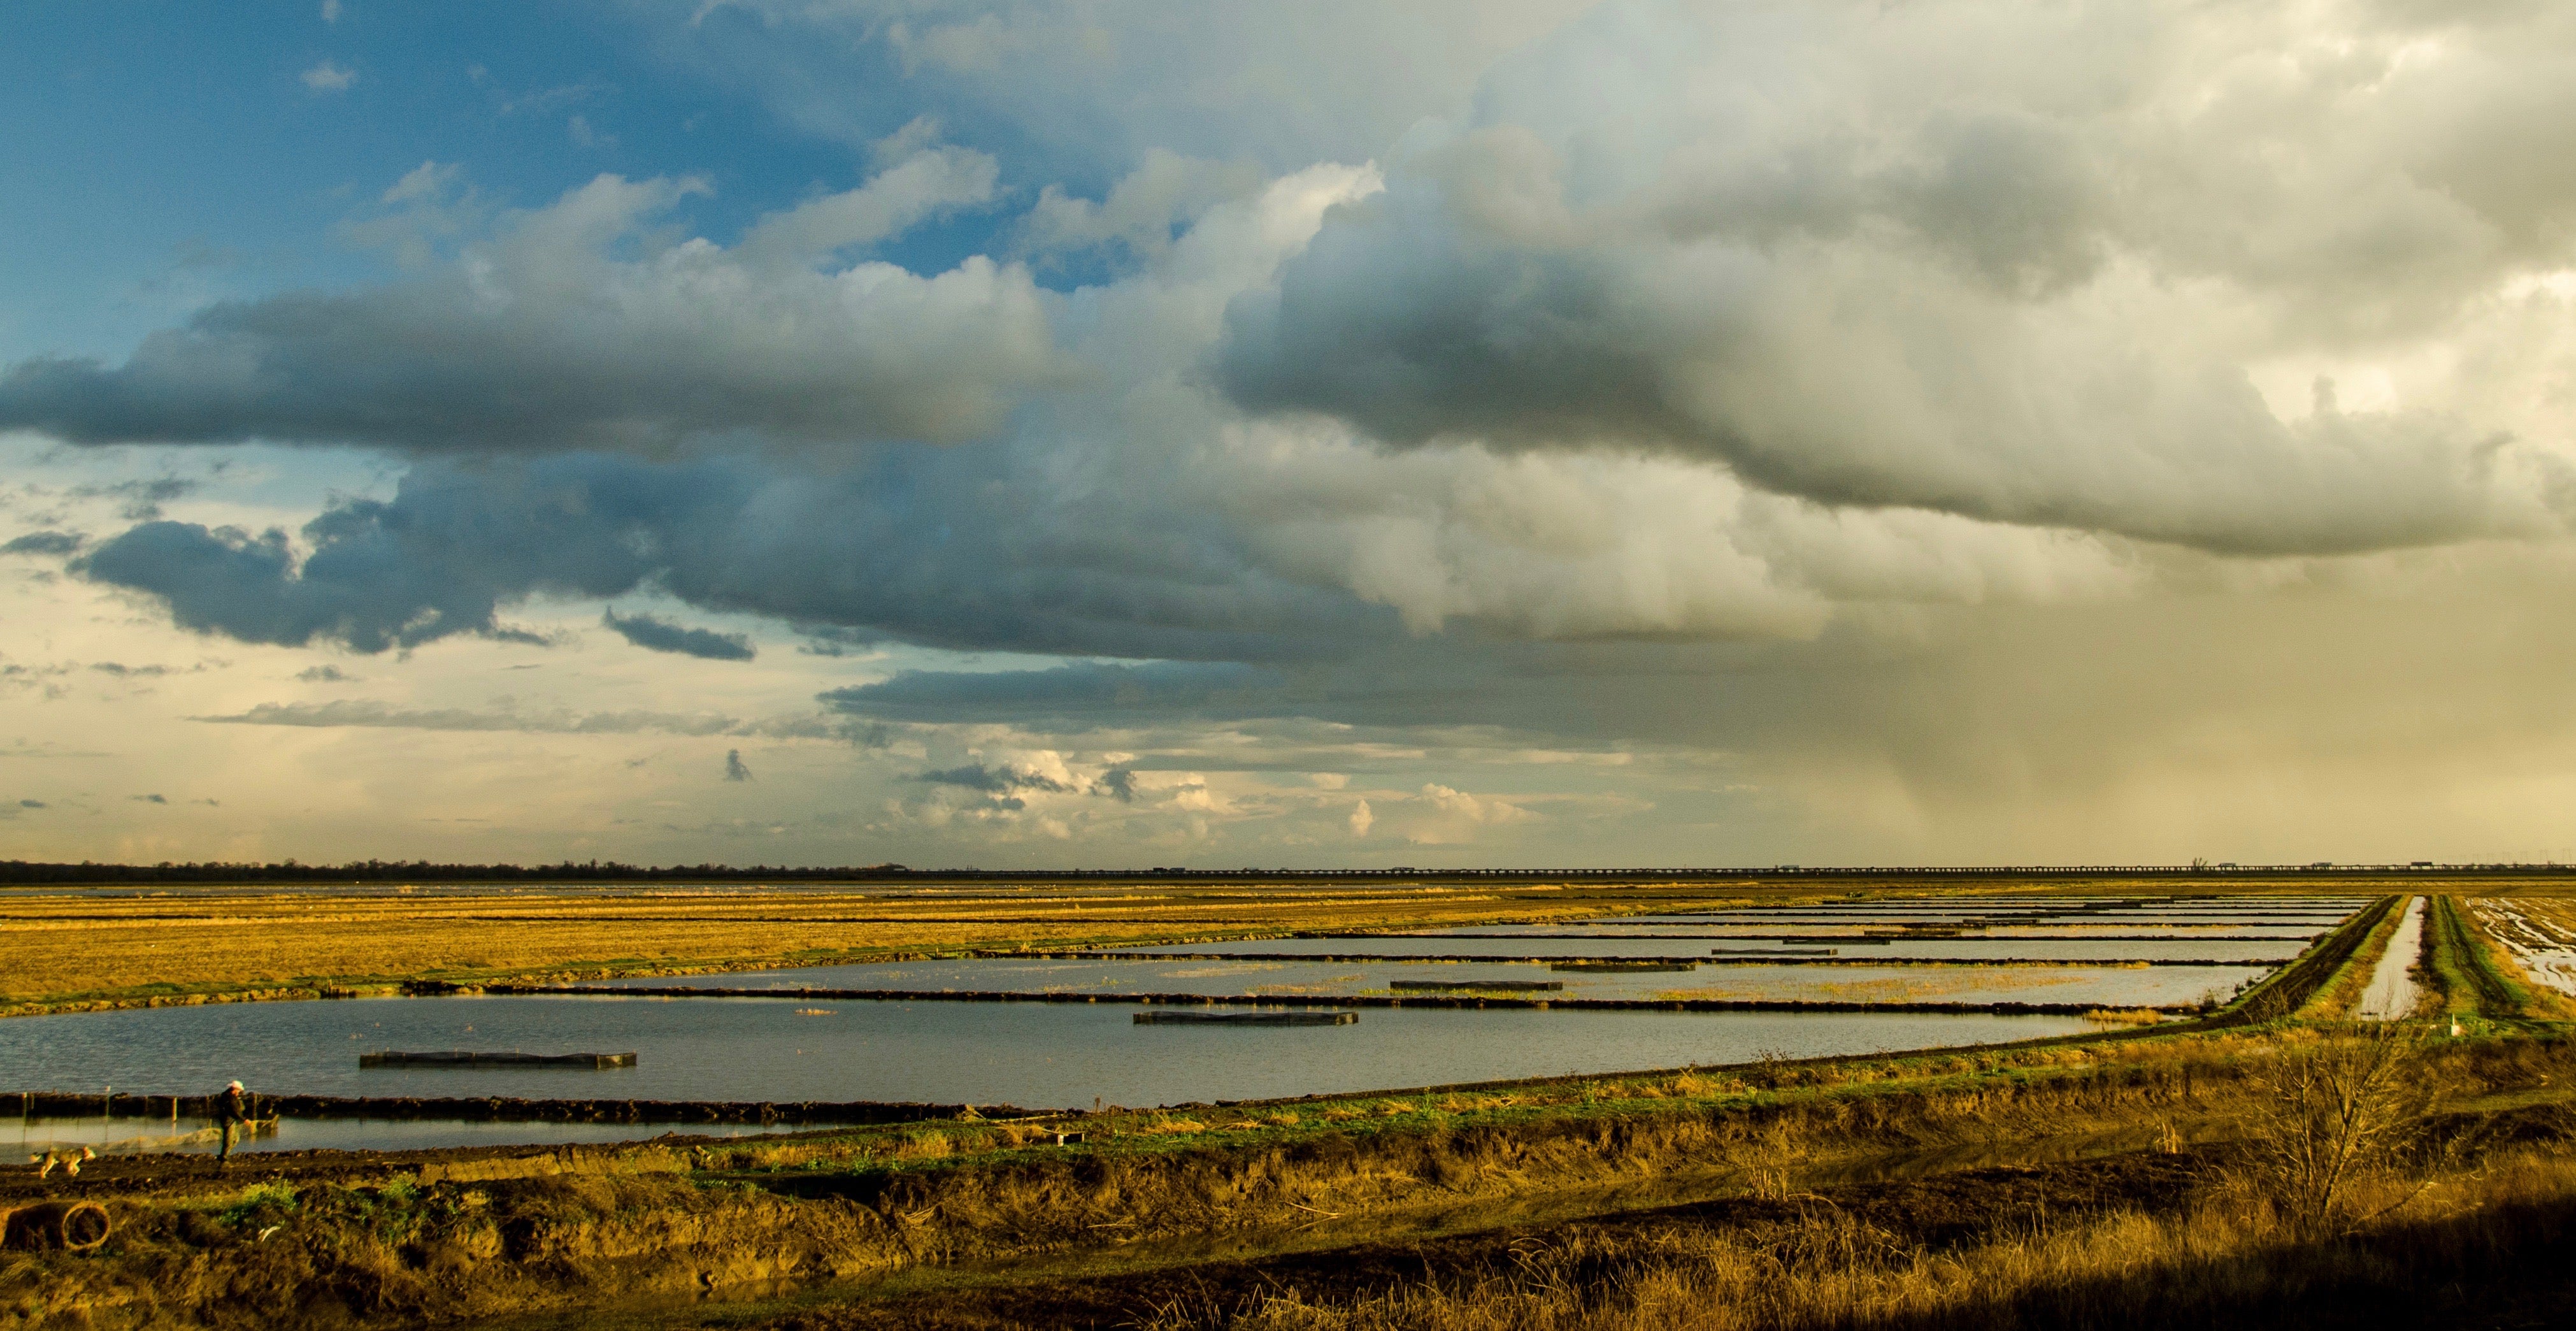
[1222, 976]
[1038, 1055]
[2393, 993]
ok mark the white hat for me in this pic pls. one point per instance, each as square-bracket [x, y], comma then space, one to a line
[233, 1086]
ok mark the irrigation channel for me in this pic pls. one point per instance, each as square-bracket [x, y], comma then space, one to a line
[2393, 993]
[1058, 1032]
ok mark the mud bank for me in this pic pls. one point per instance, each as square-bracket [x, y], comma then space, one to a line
[65, 1104]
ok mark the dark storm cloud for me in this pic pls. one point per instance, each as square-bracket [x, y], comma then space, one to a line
[367, 713]
[836, 641]
[921, 545]
[1066, 695]
[354, 589]
[45, 543]
[553, 339]
[139, 500]
[997, 780]
[1413, 332]
[658, 635]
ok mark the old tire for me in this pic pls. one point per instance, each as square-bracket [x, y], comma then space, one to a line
[63, 1226]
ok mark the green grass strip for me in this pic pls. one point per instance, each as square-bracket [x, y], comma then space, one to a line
[2288, 989]
[2465, 967]
[2335, 997]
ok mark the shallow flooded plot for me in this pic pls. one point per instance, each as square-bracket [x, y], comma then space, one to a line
[2540, 934]
[1040, 1055]
[2104, 986]
[2294, 919]
[2163, 931]
[2177, 950]
[1793, 930]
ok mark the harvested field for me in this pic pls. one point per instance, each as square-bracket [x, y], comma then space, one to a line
[69, 951]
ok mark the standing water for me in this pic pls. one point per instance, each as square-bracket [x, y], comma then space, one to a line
[1038, 1055]
[2393, 992]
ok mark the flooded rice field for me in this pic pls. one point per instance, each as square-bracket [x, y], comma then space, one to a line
[908, 1039]
[2158, 931]
[1037, 1055]
[1218, 976]
[2540, 934]
[1710, 947]
[2063, 917]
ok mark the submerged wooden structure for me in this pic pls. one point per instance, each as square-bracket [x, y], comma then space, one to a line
[1169, 1017]
[466, 1058]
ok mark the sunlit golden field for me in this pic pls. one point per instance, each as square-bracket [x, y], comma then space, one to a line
[61, 948]
[1927, 984]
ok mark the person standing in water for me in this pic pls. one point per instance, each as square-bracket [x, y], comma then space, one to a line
[232, 1114]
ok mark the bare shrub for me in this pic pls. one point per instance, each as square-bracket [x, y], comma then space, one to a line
[2328, 1117]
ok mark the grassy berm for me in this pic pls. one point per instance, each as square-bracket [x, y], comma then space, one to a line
[2284, 1175]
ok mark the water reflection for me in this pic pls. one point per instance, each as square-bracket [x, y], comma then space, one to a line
[2161, 986]
[1700, 948]
[1040, 1055]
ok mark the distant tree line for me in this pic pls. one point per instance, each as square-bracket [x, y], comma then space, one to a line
[25, 872]
[423, 871]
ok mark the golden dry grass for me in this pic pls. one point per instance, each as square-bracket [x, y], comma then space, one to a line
[66, 948]
[1929, 984]
[1827, 1269]
[2335, 1184]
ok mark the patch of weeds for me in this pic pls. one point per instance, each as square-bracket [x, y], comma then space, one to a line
[264, 1202]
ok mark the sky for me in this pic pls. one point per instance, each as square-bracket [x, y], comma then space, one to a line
[1116, 434]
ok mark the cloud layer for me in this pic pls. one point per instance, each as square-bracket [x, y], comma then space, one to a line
[581, 325]
[1376, 426]
[1963, 257]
